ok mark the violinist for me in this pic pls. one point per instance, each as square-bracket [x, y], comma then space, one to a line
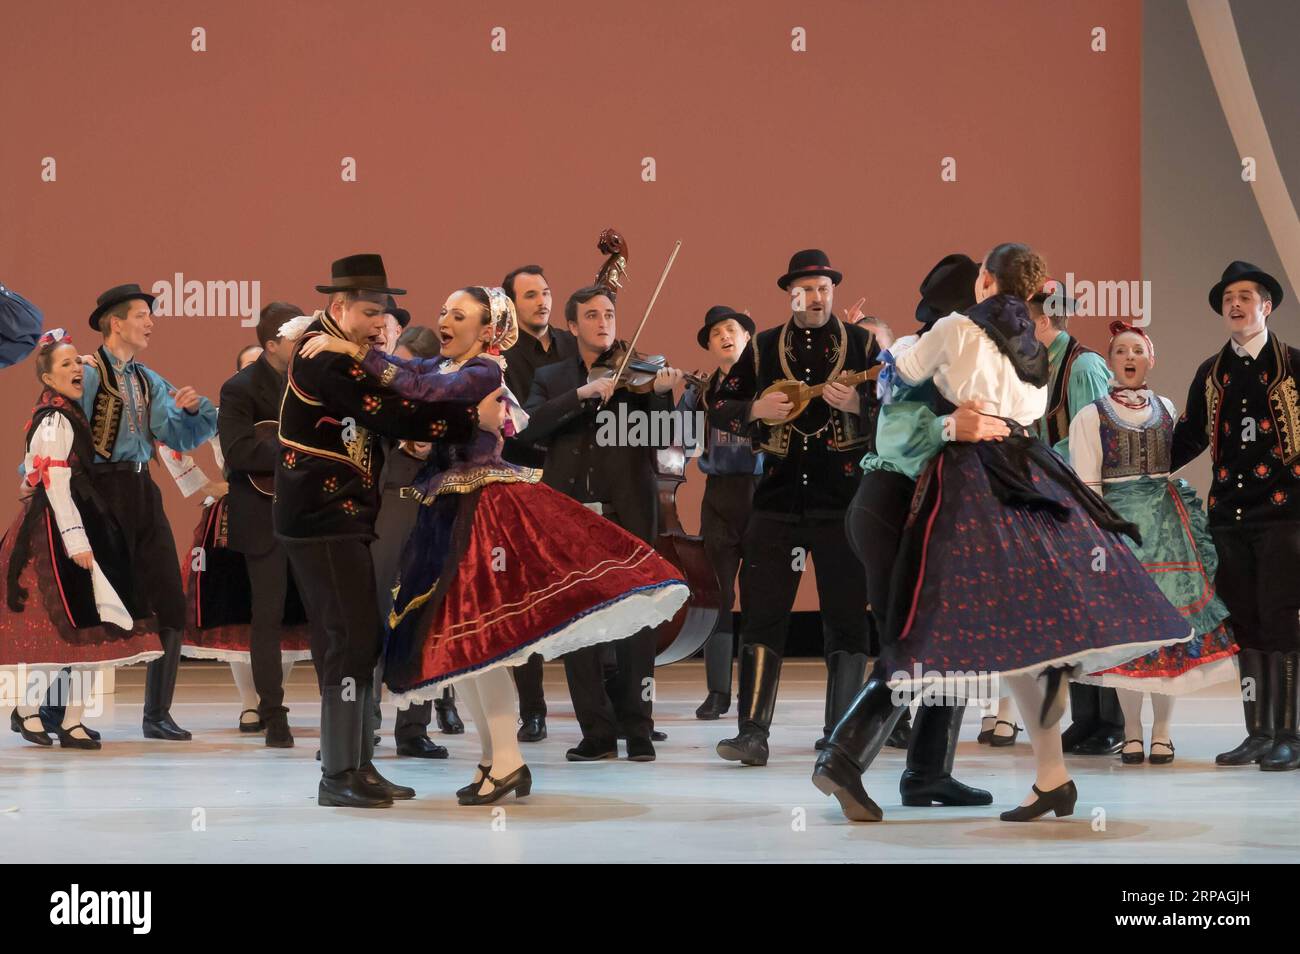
[539, 345]
[617, 480]
[730, 466]
[810, 474]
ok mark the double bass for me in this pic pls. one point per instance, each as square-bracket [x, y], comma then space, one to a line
[685, 634]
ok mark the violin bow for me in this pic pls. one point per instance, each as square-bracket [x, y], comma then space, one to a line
[631, 346]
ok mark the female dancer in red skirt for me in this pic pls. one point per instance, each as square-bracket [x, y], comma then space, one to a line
[64, 573]
[500, 566]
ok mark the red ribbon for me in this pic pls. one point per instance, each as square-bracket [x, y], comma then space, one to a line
[40, 472]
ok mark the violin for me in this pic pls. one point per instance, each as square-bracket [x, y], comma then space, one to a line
[638, 372]
[801, 394]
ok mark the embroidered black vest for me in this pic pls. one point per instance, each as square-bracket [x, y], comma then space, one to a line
[1057, 419]
[106, 414]
[1131, 450]
[1283, 401]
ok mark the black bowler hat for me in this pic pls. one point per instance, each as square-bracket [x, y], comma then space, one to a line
[401, 314]
[1244, 272]
[949, 287]
[811, 261]
[359, 273]
[115, 296]
[721, 313]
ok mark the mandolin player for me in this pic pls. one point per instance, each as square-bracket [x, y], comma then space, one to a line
[810, 474]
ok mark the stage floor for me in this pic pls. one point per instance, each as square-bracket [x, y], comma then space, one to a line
[225, 797]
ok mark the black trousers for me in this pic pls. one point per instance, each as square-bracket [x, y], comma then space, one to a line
[1259, 581]
[528, 681]
[769, 579]
[724, 515]
[336, 579]
[268, 577]
[136, 503]
[874, 524]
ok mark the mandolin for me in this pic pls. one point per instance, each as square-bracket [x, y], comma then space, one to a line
[801, 394]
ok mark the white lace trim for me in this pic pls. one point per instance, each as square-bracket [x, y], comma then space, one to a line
[236, 655]
[615, 620]
[95, 664]
[1209, 674]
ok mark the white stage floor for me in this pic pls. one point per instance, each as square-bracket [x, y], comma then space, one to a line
[225, 797]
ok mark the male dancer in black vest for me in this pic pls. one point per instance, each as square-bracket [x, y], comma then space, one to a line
[810, 473]
[326, 500]
[1243, 406]
[540, 344]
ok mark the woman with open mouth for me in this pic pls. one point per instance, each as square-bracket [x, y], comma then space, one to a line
[499, 566]
[64, 571]
[1121, 445]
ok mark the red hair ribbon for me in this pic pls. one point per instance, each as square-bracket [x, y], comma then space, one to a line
[1118, 328]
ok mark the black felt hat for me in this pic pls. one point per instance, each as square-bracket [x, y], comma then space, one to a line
[721, 313]
[115, 296]
[810, 261]
[949, 287]
[401, 314]
[359, 273]
[1244, 272]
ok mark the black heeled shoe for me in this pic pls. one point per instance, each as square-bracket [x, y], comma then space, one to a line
[1002, 741]
[986, 734]
[250, 727]
[36, 738]
[1162, 759]
[520, 781]
[473, 786]
[69, 741]
[1133, 758]
[1060, 800]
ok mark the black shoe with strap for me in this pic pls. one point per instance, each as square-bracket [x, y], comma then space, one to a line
[520, 782]
[31, 735]
[1133, 758]
[1059, 800]
[257, 725]
[69, 741]
[1002, 741]
[1162, 758]
[472, 787]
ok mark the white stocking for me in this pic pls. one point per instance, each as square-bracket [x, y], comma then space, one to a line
[1029, 693]
[73, 709]
[467, 693]
[242, 673]
[500, 706]
[1130, 703]
[1005, 714]
[1162, 707]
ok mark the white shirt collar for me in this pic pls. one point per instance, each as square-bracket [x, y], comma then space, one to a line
[1251, 348]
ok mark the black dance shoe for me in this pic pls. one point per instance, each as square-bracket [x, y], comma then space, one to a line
[640, 750]
[1107, 740]
[165, 728]
[985, 734]
[1133, 758]
[590, 750]
[1002, 741]
[256, 726]
[349, 790]
[421, 747]
[1059, 800]
[835, 774]
[278, 735]
[1161, 758]
[921, 792]
[36, 738]
[520, 781]
[715, 705]
[69, 741]
[472, 787]
[52, 719]
[533, 729]
[371, 776]
[444, 710]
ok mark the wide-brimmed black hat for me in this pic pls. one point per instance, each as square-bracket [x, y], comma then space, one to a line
[949, 287]
[1244, 272]
[401, 314]
[1055, 290]
[115, 296]
[721, 313]
[359, 273]
[811, 261]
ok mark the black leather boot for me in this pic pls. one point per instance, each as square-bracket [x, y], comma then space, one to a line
[760, 673]
[160, 687]
[278, 735]
[449, 721]
[900, 737]
[928, 777]
[844, 674]
[1260, 723]
[853, 746]
[369, 732]
[1285, 754]
[342, 784]
[1085, 716]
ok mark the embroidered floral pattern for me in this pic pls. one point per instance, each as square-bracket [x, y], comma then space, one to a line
[1211, 501]
[1278, 497]
[1225, 378]
[1261, 471]
[437, 428]
[350, 507]
[1295, 470]
[1221, 474]
[1265, 425]
[331, 485]
[289, 460]
[357, 372]
[371, 403]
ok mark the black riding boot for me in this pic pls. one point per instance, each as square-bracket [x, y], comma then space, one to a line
[1285, 754]
[449, 721]
[760, 673]
[853, 745]
[366, 767]
[160, 687]
[928, 777]
[844, 672]
[1260, 723]
[1085, 716]
[342, 722]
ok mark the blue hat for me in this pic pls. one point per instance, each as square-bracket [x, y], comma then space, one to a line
[20, 326]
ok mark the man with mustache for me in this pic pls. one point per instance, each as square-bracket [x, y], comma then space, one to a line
[327, 496]
[539, 345]
[810, 475]
[130, 407]
[1243, 406]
